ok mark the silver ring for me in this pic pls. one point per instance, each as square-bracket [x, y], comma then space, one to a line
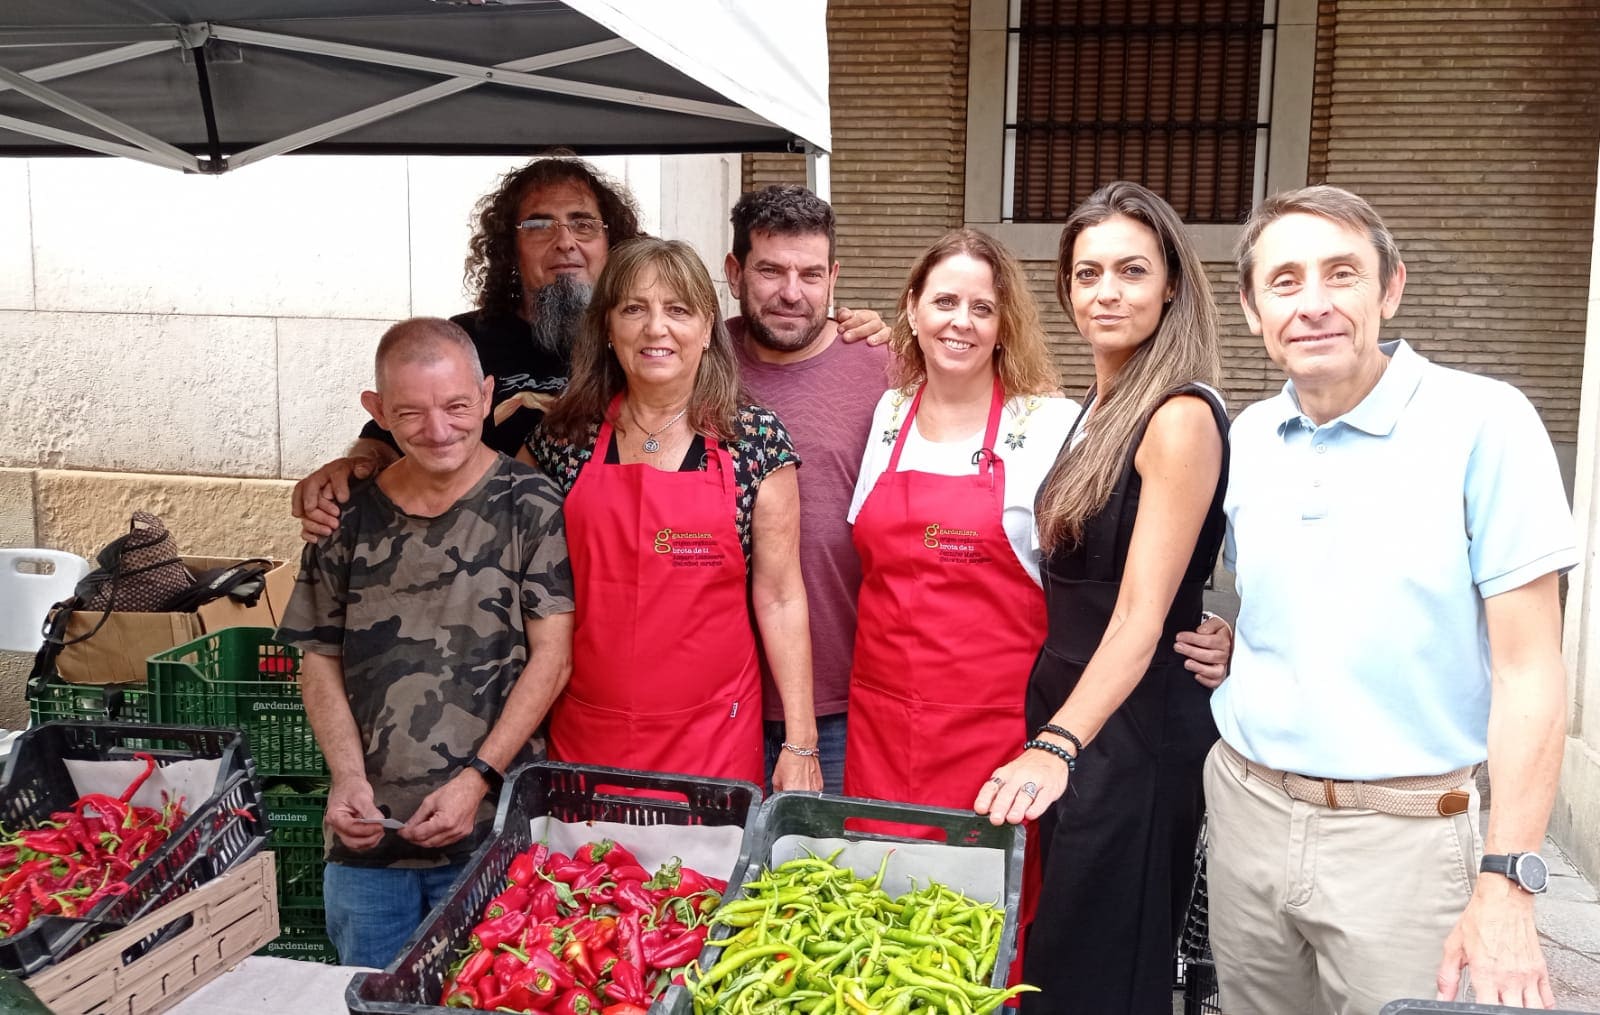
[997, 780]
[1032, 789]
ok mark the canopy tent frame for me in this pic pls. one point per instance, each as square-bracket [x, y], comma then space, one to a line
[82, 127]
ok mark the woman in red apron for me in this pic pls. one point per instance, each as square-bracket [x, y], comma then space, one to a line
[673, 490]
[950, 618]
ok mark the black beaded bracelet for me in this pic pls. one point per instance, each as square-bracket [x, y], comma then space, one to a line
[1056, 749]
[1063, 733]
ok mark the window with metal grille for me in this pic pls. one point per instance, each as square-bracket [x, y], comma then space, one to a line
[1169, 93]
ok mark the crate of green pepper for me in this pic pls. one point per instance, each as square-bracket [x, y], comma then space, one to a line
[863, 905]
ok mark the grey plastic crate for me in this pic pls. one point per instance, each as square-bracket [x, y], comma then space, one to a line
[1421, 1007]
[818, 815]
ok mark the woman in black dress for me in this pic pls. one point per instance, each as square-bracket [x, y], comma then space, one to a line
[1130, 521]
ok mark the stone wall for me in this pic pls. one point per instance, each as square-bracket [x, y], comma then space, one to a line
[191, 345]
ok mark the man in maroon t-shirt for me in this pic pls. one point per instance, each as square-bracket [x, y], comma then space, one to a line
[783, 271]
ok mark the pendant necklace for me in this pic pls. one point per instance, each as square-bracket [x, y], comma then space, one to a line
[651, 445]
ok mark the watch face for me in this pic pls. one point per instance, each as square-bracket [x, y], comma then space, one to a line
[1532, 874]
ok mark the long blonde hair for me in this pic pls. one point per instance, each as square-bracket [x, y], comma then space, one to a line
[1022, 357]
[597, 377]
[1184, 349]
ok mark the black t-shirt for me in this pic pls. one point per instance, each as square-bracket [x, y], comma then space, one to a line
[506, 349]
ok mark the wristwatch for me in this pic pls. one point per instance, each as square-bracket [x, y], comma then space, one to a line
[1525, 870]
[491, 775]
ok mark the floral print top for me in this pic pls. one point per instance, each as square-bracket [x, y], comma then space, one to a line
[763, 447]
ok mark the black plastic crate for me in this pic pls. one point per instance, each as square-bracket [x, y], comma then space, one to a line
[226, 828]
[570, 793]
[819, 815]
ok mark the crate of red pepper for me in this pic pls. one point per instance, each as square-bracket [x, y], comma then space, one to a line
[104, 822]
[593, 895]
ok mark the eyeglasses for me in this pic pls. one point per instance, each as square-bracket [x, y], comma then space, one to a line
[544, 230]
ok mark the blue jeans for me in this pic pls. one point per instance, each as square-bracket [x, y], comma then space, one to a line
[373, 910]
[830, 740]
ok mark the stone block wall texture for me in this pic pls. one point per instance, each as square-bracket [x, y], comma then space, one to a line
[190, 345]
[1472, 126]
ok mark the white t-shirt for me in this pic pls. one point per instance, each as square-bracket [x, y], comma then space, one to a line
[1036, 424]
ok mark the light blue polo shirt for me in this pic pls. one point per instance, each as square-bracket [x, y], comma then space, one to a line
[1363, 550]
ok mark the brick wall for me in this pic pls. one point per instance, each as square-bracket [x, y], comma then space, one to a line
[1474, 131]
[899, 95]
[1475, 134]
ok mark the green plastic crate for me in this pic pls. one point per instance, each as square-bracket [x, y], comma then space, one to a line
[304, 936]
[56, 699]
[239, 676]
[294, 810]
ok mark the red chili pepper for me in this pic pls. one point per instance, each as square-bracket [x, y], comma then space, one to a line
[478, 964]
[542, 902]
[539, 958]
[576, 954]
[532, 988]
[677, 952]
[630, 940]
[603, 959]
[491, 933]
[607, 851]
[633, 898]
[512, 900]
[596, 932]
[577, 1001]
[568, 872]
[133, 787]
[521, 872]
[625, 1008]
[462, 997]
[629, 872]
[627, 984]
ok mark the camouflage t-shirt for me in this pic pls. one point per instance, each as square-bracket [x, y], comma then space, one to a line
[427, 617]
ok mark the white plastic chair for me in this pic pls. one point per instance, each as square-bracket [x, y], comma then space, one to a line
[31, 581]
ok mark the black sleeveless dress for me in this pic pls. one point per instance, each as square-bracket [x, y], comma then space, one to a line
[1118, 848]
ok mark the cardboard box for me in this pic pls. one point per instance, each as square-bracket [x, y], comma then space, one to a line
[116, 653]
[201, 934]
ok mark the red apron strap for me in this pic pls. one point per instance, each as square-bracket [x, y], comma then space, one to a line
[984, 459]
[905, 428]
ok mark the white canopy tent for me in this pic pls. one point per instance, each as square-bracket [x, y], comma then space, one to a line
[206, 86]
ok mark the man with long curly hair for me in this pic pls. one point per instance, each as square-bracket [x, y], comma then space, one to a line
[541, 239]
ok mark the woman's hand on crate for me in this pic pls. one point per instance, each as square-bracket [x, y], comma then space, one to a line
[447, 814]
[1022, 789]
[349, 799]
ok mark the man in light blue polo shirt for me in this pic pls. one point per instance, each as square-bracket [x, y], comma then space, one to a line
[1397, 529]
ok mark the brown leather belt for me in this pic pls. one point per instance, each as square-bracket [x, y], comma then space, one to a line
[1422, 796]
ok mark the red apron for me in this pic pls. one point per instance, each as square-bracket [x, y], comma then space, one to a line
[664, 672]
[949, 625]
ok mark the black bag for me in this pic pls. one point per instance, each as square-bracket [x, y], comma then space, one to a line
[141, 572]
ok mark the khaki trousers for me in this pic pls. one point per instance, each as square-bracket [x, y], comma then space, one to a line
[1329, 911]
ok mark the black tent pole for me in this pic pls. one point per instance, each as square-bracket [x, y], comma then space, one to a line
[213, 141]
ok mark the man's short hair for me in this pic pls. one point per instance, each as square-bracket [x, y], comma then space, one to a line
[1332, 203]
[423, 340]
[784, 209]
[491, 268]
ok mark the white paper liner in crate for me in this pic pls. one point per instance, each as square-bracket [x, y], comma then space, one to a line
[193, 781]
[710, 849]
[978, 872]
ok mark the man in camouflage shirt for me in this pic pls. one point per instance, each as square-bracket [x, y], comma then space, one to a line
[436, 623]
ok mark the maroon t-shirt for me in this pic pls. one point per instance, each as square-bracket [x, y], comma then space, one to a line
[826, 404]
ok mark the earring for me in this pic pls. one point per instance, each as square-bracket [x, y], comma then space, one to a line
[913, 331]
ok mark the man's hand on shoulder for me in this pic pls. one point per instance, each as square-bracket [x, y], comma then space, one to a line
[1496, 938]
[317, 498]
[447, 814]
[861, 325]
[347, 801]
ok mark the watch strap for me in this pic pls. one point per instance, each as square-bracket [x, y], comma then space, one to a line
[491, 775]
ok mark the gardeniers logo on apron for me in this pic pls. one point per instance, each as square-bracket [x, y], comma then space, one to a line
[689, 549]
[954, 546]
